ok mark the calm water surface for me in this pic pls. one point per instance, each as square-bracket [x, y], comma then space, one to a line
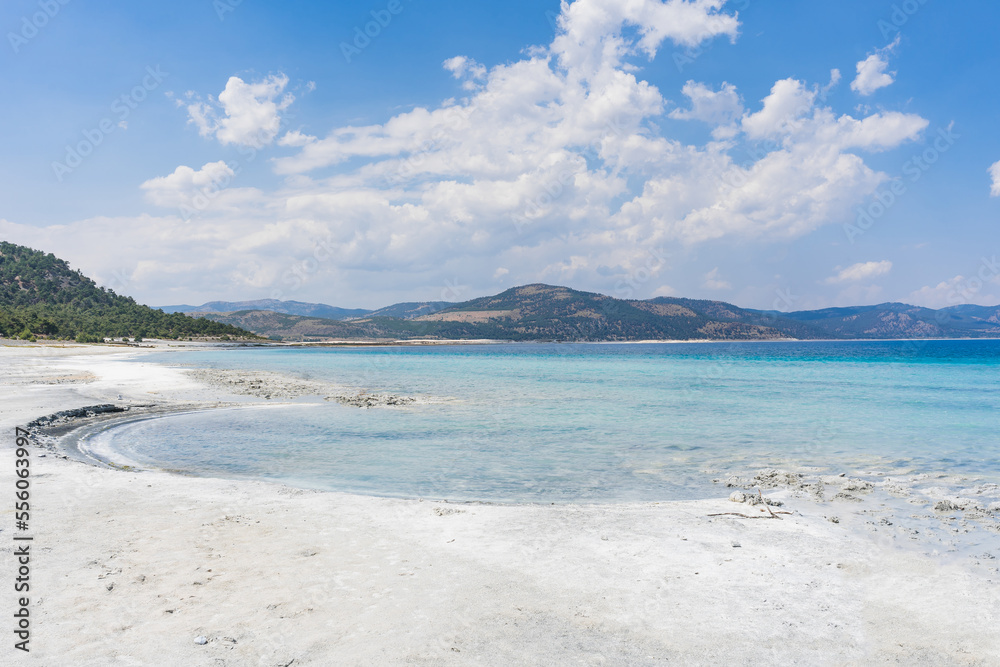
[566, 422]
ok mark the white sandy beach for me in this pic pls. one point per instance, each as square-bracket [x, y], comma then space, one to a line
[129, 568]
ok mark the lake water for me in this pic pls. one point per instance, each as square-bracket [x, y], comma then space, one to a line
[595, 423]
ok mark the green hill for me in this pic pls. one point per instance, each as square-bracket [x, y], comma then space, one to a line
[533, 312]
[546, 312]
[40, 296]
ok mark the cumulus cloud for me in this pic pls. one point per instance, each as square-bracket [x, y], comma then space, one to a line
[954, 292]
[872, 74]
[714, 282]
[787, 104]
[717, 108]
[295, 138]
[248, 114]
[178, 188]
[664, 290]
[554, 166]
[467, 70]
[995, 177]
[590, 36]
[860, 271]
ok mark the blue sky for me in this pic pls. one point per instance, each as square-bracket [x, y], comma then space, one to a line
[693, 148]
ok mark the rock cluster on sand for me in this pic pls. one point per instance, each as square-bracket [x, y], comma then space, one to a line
[261, 384]
[269, 385]
[365, 400]
[67, 416]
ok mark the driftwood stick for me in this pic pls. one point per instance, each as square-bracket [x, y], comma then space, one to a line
[764, 503]
[747, 516]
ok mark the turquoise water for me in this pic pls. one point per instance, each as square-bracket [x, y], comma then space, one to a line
[566, 422]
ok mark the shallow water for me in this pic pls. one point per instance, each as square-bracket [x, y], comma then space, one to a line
[596, 423]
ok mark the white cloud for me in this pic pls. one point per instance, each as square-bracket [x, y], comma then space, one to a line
[178, 188]
[953, 292]
[872, 73]
[718, 108]
[879, 131]
[664, 290]
[860, 271]
[248, 114]
[554, 167]
[466, 69]
[296, 139]
[995, 177]
[714, 282]
[788, 102]
[590, 38]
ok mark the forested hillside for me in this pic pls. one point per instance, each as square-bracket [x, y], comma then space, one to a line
[41, 296]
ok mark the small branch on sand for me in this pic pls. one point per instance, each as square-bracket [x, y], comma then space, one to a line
[773, 514]
[764, 502]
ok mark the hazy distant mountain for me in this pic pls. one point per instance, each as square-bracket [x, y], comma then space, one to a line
[285, 327]
[899, 320]
[546, 312]
[975, 313]
[408, 310]
[287, 307]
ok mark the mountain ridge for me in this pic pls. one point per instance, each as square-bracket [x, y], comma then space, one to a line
[550, 312]
[41, 296]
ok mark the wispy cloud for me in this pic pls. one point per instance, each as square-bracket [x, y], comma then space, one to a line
[995, 177]
[714, 282]
[860, 271]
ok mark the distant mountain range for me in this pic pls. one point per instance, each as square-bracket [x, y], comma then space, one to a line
[40, 296]
[273, 305]
[405, 311]
[408, 310]
[546, 312]
[899, 320]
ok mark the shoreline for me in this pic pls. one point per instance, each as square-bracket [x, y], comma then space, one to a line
[138, 564]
